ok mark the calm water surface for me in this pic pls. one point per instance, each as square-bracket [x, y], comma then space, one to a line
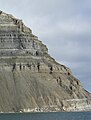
[47, 116]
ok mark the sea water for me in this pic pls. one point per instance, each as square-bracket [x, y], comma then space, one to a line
[47, 116]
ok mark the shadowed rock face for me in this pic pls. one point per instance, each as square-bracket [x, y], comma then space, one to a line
[29, 77]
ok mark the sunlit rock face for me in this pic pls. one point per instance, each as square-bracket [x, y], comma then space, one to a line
[30, 79]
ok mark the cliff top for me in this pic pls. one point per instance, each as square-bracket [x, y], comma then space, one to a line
[13, 24]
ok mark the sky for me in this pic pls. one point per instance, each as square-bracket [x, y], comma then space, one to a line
[64, 26]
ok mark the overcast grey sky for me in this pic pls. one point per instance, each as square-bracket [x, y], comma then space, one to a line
[64, 26]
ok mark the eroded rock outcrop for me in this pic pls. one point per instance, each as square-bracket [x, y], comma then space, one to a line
[29, 77]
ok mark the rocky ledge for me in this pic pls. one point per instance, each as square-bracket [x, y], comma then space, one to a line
[30, 79]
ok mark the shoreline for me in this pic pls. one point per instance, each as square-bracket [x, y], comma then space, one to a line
[45, 112]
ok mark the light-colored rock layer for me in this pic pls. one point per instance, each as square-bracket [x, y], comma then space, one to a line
[77, 105]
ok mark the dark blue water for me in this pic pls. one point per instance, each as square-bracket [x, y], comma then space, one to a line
[47, 116]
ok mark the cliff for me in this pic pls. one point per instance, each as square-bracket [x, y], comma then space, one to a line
[30, 79]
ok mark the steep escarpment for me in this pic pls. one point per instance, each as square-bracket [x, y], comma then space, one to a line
[30, 79]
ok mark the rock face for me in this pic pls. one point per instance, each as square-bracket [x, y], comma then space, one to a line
[30, 79]
[77, 105]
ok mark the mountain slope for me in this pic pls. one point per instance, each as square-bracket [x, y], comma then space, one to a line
[30, 79]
